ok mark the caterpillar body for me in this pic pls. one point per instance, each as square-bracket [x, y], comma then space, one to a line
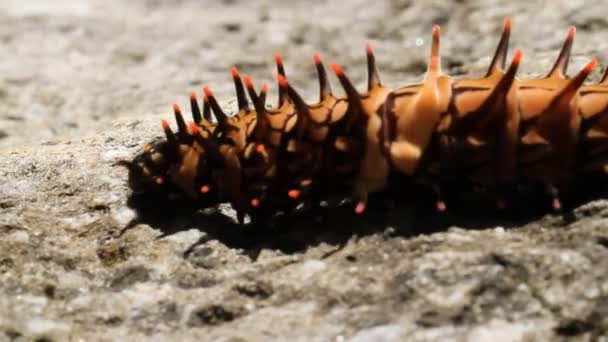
[494, 135]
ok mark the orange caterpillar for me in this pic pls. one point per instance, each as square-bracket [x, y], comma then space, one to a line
[491, 135]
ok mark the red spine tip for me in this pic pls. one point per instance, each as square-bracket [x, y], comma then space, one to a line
[360, 208]
[278, 58]
[255, 202]
[248, 82]
[517, 56]
[337, 69]
[368, 48]
[441, 206]
[205, 189]
[234, 71]
[165, 125]
[194, 128]
[507, 25]
[260, 148]
[176, 108]
[556, 204]
[192, 95]
[316, 58]
[436, 30]
[264, 88]
[208, 92]
[293, 194]
[591, 65]
[282, 81]
[571, 32]
[159, 180]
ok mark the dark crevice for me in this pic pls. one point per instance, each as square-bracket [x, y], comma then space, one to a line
[574, 327]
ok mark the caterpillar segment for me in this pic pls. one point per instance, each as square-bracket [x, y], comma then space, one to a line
[494, 135]
[294, 157]
[476, 139]
[411, 114]
[593, 108]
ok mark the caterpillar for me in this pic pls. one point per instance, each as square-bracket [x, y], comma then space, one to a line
[497, 135]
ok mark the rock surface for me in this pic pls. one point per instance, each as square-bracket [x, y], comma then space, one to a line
[82, 85]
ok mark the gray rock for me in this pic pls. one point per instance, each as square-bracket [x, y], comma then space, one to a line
[82, 86]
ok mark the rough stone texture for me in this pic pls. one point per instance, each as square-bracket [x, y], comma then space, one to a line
[82, 85]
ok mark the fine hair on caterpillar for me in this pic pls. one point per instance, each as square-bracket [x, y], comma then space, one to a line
[494, 139]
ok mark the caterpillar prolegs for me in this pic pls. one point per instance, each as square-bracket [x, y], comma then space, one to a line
[495, 135]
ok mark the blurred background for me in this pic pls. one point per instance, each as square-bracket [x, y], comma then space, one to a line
[69, 67]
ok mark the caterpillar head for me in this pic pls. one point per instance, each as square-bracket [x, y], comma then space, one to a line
[148, 171]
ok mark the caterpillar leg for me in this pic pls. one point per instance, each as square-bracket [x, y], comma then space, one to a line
[556, 202]
[440, 203]
[360, 197]
[503, 193]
